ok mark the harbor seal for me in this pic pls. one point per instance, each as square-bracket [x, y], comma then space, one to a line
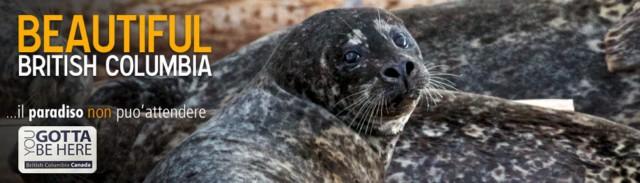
[474, 138]
[520, 50]
[534, 50]
[327, 107]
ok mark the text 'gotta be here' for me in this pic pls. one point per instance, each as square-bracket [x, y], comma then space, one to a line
[41, 54]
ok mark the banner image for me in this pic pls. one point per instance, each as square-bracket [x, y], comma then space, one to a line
[320, 91]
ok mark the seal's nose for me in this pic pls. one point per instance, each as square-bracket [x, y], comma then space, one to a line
[398, 73]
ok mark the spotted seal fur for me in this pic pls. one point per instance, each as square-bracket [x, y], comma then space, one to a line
[532, 49]
[520, 50]
[327, 107]
[621, 43]
[474, 138]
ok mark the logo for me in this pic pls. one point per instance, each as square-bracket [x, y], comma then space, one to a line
[57, 149]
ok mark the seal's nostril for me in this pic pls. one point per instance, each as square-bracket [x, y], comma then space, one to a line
[409, 67]
[391, 72]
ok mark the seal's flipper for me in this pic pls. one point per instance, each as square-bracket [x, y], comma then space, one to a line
[622, 42]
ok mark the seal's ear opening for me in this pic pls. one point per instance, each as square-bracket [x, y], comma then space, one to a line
[622, 43]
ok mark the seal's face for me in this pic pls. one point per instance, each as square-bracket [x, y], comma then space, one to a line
[361, 64]
[381, 75]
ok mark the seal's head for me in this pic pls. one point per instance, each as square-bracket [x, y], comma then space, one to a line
[361, 64]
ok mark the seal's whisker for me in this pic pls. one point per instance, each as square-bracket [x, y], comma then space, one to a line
[358, 104]
[435, 94]
[441, 94]
[433, 100]
[435, 73]
[443, 86]
[357, 118]
[362, 106]
[380, 102]
[442, 83]
[431, 96]
[347, 97]
[359, 101]
[435, 68]
[427, 97]
[439, 85]
[364, 122]
[363, 119]
[371, 114]
[356, 115]
[358, 96]
[379, 111]
[439, 78]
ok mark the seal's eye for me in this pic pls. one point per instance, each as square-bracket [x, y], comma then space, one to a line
[400, 41]
[351, 57]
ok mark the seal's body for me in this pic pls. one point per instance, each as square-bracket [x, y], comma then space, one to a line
[327, 107]
[249, 141]
[534, 49]
[474, 138]
[522, 50]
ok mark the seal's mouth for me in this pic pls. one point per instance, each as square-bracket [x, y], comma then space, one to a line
[400, 109]
[403, 102]
[382, 113]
